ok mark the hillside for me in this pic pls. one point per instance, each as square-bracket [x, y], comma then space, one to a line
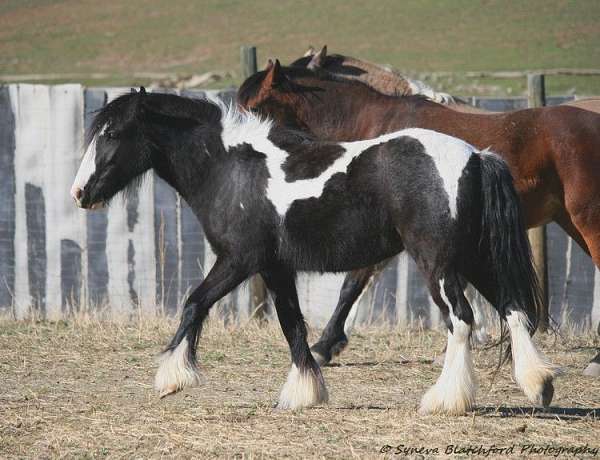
[183, 36]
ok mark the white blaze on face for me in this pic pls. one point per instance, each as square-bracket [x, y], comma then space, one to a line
[86, 168]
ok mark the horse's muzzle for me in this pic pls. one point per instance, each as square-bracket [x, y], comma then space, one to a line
[77, 195]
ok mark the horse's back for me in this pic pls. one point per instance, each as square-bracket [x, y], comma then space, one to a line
[591, 104]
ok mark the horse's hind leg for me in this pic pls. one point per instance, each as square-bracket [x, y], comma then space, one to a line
[589, 226]
[532, 372]
[304, 386]
[480, 335]
[333, 339]
[581, 204]
[454, 391]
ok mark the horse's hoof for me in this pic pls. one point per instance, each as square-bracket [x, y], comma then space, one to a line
[303, 388]
[592, 370]
[167, 391]
[323, 354]
[339, 346]
[433, 405]
[545, 397]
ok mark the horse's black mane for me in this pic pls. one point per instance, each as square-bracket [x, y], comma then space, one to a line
[168, 105]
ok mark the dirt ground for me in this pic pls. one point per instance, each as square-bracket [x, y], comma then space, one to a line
[84, 390]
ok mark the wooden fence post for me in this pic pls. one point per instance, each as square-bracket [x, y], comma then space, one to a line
[248, 60]
[536, 97]
[258, 291]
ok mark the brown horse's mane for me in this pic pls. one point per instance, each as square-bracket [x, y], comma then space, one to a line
[314, 79]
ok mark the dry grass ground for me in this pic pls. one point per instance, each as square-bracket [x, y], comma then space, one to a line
[85, 390]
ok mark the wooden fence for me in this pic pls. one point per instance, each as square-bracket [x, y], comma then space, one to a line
[143, 256]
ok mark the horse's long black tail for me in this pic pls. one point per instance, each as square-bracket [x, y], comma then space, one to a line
[503, 242]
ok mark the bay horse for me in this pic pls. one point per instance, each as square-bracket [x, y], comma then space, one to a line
[384, 80]
[553, 152]
[275, 201]
[392, 83]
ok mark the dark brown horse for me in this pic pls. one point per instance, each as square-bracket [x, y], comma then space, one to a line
[553, 152]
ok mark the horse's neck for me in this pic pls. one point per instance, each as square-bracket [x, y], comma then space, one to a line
[185, 165]
[368, 115]
[359, 116]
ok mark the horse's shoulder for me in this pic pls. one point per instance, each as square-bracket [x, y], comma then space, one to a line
[306, 157]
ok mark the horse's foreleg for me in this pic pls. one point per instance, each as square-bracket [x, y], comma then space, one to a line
[333, 339]
[178, 367]
[304, 386]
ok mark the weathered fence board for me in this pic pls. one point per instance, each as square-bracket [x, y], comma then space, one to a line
[96, 224]
[65, 229]
[7, 194]
[31, 108]
[144, 255]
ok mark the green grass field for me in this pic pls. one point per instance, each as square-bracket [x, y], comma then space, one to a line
[183, 36]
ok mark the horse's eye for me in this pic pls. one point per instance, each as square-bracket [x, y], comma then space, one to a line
[111, 135]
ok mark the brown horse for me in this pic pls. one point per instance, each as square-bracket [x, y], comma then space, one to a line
[553, 152]
[389, 81]
[382, 79]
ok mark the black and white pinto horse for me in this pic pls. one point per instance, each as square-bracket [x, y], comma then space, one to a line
[274, 201]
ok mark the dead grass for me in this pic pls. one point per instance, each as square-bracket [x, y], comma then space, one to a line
[84, 389]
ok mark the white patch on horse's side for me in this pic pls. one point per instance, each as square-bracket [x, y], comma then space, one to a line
[532, 371]
[454, 391]
[175, 371]
[302, 389]
[418, 87]
[87, 166]
[449, 154]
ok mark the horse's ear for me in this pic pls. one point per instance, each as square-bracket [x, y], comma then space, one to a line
[273, 73]
[309, 52]
[133, 91]
[318, 59]
[142, 90]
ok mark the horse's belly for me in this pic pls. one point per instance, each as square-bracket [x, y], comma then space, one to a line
[325, 239]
